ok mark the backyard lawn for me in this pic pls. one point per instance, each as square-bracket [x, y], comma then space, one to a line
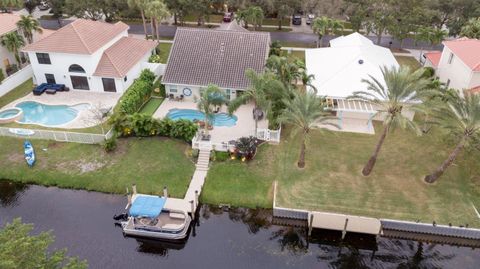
[332, 180]
[19, 92]
[151, 163]
[408, 61]
[151, 106]
[164, 51]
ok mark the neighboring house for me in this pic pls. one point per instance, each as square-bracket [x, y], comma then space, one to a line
[339, 71]
[201, 57]
[8, 24]
[90, 55]
[458, 65]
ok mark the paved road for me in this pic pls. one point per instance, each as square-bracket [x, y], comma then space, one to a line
[169, 31]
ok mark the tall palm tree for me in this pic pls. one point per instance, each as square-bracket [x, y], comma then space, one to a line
[324, 26]
[28, 25]
[210, 97]
[304, 112]
[461, 117]
[286, 70]
[141, 5]
[253, 15]
[157, 11]
[400, 90]
[422, 35]
[13, 42]
[257, 93]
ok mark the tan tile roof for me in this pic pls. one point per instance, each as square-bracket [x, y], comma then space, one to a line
[200, 57]
[8, 22]
[79, 37]
[117, 60]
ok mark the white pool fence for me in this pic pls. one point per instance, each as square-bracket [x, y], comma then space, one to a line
[61, 136]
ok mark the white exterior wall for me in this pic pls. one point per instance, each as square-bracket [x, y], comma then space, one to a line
[5, 55]
[60, 62]
[475, 81]
[195, 91]
[457, 71]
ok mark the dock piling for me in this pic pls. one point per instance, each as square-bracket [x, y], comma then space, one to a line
[193, 209]
[310, 223]
[344, 232]
[196, 199]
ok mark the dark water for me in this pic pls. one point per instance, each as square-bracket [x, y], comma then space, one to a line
[235, 238]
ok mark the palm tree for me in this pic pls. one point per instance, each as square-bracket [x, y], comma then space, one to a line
[305, 111]
[461, 117]
[323, 26]
[286, 70]
[210, 97]
[401, 88]
[422, 35]
[28, 25]
[13, 42]
[471, 29]
[437, 35]
[142, 5]
[10, 4]
[257, 92]
[253, 15]
[157, 11]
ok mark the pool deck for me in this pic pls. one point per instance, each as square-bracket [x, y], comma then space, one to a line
[97, 100]
[245, 124]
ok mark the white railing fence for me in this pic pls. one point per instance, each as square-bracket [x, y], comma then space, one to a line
[61, 136]
[269, 135]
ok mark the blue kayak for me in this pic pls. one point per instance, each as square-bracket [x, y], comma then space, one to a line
[29, 153]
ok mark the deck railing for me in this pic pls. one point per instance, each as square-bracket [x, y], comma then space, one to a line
[272, 136]
[61, 136]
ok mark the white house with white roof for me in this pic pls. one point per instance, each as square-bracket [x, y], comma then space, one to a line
[339, 71]
[90, 56]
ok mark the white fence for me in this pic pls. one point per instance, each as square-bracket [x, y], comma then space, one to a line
[84, 138]
[156, 68]
[9, 83]
[269, 135]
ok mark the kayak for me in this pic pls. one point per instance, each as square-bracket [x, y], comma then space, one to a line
[29, 153]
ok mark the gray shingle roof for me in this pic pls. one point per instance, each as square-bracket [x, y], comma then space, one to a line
[199, 57]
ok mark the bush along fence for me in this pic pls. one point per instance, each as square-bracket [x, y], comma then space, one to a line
[137, 94]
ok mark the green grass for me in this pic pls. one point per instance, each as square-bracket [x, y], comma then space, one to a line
[408, 61]
[151, 106]
[274, 22]
[151, 163]
[19, 92]
[164, 51]
[332, 179]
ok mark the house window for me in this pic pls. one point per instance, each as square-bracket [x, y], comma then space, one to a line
[50, 78]
[450, 58]
[173, 89]
[448, 83]
[228, 93]
[80, 83]
[125, 78]
[75, 68]
[43, 58]
[109, 85]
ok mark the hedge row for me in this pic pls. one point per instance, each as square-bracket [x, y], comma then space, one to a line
[138, 93]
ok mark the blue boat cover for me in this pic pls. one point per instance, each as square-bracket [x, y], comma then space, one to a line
[147, 206]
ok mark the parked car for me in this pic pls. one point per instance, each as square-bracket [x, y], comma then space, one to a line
[297, 19]
[310, 18]
[228, 17]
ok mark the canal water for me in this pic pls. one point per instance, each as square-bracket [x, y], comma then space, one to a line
[233, 238]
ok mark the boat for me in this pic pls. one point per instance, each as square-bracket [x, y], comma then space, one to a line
[29, 153]
[148, 217]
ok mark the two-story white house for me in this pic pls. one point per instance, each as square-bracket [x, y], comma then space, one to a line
[458, 65]
[200, 57]
[89, 55]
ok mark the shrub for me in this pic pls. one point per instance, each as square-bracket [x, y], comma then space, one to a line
[246, 147]
[428, 72]
[110, 144]
[155, 58]
[2, 76]
[183, 129]
[11, 69]
[138, 93]
[221, 156]
[195, 153]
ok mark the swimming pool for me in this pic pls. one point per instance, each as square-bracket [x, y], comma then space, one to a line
[219, 119]
[49, 115]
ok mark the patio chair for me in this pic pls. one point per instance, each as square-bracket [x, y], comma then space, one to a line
[181, 97]
[170, 97]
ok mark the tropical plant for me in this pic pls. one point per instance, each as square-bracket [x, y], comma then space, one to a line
[286, 71]
[253, 15]
[471, 29]
[305, 111]
[275, 48]
[157, 11]
[432, 36]
[30, 5]
[110, 144]
[137, 94]
[28, 25]
[21, 249]
[246, 147]
[142, 6]
[13, 41]
[323, 26]
[210, 97]
[256, 93]
[461, 117]
[401, 89]
[9, 5]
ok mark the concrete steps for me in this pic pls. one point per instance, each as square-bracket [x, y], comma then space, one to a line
[203, 160]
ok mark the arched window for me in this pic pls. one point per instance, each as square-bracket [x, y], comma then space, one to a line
[75, 68]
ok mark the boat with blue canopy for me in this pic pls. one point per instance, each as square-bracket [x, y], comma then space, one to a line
[148, 217]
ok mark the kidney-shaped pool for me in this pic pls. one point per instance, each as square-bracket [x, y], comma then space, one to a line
[49, 115]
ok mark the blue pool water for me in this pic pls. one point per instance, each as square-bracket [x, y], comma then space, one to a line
[9, 113]
[219, 119]
[49, 115]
